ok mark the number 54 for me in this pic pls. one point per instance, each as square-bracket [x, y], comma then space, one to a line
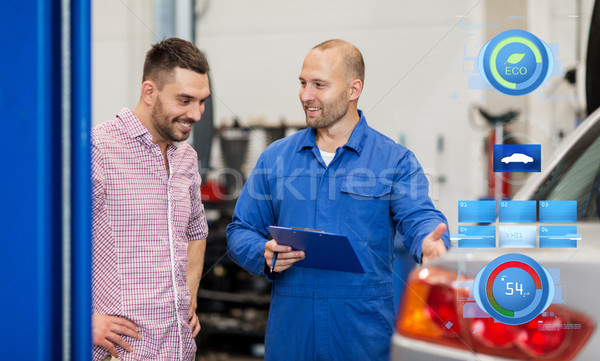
[509, 288]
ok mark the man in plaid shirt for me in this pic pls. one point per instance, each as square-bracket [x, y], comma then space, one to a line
[149, 229]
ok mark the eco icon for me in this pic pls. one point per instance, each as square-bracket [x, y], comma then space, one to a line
[515, 62]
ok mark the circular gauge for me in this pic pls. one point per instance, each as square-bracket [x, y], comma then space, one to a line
[515, 62]
[513, 289]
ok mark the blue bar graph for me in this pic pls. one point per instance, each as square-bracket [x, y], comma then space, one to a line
[476, 237]
[477, 211]
[558, 211]
[559, 236]
[517, 236]
[517, 211]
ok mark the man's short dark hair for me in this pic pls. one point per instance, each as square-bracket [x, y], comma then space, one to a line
[354, 65]
[165, 56]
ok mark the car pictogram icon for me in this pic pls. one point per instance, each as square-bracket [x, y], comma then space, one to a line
[517, 158]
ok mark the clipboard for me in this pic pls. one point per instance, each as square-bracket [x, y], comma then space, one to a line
[322, 250]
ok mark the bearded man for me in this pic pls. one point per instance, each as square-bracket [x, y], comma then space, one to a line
[341, 176]
[149, 229]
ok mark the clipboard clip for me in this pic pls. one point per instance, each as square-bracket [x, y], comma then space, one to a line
[307, 229]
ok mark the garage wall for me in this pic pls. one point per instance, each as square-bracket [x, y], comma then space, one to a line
[122, 32]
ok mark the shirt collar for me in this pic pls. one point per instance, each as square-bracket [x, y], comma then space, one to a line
[356, 142]
[134, 127]
[131, 124]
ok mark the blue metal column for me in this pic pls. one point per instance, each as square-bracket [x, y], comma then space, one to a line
[81, 255]
[31, 187]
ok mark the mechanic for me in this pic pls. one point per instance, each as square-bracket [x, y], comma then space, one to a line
[341, 176]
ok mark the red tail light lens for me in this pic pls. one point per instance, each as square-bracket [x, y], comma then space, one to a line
[493, 334]
[543, 335]
[441, 304]
[431, 311]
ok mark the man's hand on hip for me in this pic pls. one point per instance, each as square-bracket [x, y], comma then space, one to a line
[107, 331]
[433, 246]
[285, 256]
[193, 320]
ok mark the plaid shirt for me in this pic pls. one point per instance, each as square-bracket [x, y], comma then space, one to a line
[142, 221]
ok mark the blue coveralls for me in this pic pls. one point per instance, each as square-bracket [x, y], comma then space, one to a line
[371, 189]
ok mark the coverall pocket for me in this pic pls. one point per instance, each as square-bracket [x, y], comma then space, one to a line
[365, 328]
[367, 202]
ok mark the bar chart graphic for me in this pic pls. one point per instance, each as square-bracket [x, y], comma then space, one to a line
[515, 228]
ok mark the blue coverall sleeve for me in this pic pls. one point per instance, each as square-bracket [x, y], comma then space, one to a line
[248, 232]
[412, 209]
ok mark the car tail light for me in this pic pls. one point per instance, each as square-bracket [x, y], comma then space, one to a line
[431, 311]
[493, 334]
[441, 306]
[546, 336]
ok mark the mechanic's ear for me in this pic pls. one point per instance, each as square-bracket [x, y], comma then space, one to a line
[355, 89]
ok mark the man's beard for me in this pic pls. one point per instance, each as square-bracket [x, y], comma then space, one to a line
[330, 114]
[166, 127]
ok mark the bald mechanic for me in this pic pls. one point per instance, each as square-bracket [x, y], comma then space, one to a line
[341, 176]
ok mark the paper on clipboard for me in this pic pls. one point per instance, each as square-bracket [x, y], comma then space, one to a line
[322, 250]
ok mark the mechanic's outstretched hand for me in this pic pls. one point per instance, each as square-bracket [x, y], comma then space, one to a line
[285, 257]
[433, 246]
[107, 331]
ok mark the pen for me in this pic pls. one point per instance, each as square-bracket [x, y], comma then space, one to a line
[273, 261]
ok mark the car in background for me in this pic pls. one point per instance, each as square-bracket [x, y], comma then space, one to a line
[431, 324]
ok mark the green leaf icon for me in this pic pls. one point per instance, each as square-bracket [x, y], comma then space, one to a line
[515, 58]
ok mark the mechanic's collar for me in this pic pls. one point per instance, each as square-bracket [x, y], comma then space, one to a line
[356, 142]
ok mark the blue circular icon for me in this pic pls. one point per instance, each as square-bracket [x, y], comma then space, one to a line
[513, 289]
[515, 62]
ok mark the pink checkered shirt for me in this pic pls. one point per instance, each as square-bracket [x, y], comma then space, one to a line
[142, 221]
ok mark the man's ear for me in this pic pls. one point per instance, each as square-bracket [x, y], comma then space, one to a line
[149, 92]
[355, 89]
